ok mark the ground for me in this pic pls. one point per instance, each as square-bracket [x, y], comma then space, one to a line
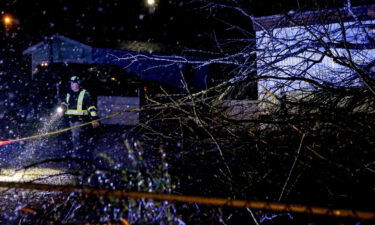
[47, 161]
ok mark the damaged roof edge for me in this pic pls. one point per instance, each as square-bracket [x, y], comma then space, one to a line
[365, 12]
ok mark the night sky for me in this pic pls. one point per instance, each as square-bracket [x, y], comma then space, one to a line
[106, 23]
[103, 23]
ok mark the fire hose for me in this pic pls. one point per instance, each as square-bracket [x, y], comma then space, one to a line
[37, 136]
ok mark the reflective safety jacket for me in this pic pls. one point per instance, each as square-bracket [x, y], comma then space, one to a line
[79, 105]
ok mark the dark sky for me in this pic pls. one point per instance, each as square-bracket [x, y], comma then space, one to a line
[106, 23]
[103, 23]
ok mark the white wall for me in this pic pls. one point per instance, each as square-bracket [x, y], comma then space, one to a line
[290, 51]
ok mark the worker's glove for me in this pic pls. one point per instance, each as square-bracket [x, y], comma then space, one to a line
[95, 124]
[60, 110]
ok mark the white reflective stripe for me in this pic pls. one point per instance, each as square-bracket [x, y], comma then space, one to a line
[76, 112]
[80, 99]
[93, 113]
[67, 98]
[92, 107]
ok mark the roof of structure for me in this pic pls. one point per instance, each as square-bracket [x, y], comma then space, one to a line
[148, 66]
[329, 16]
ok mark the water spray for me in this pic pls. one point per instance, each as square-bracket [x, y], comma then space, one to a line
[37, 136]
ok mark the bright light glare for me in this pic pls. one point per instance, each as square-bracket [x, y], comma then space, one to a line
[59, 109]
[12, 175]
[44, 64]
[7, 20]
[150, 2]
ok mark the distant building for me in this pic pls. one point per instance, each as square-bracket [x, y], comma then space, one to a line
[60, 49]
[296, 48]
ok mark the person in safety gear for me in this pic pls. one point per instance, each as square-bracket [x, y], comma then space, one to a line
[79, 108]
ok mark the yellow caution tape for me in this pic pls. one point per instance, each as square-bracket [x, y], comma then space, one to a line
[257, 205]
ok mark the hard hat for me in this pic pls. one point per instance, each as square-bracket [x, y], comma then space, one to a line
[75, 79]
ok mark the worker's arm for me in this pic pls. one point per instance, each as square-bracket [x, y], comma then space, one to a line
[91, 108]
[93, 114]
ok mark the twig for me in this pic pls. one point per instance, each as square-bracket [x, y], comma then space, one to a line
[292, 168]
